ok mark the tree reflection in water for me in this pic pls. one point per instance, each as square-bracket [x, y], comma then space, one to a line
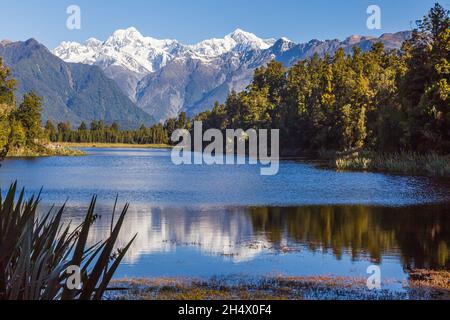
[420, 234]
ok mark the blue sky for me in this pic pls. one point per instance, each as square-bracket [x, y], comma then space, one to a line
[190, 21]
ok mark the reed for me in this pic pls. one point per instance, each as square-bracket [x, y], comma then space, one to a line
[36, 252]
[430, 164]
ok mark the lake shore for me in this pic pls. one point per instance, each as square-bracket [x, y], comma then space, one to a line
[51, 150]
[423, 284]
[113, 145]
[404, 163]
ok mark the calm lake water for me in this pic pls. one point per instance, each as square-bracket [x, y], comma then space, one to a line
[204, 221]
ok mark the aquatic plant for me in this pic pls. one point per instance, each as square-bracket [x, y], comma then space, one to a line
[36, 252]
[430, 164]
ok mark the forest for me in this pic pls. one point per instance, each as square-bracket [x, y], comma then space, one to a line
[378, 101]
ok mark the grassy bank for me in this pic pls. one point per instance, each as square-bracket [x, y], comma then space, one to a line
[113, 145]
[279, 288]
[43, 151]
[410, 163]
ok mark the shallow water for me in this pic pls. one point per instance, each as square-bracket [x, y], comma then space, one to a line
[202, 221]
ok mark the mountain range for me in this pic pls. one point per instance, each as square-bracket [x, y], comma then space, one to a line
[136, 79]
[71, 92]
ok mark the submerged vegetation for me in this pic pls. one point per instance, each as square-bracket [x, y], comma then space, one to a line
[36, 252]
[434, 286]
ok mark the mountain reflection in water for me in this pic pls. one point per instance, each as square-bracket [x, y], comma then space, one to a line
[416, 236]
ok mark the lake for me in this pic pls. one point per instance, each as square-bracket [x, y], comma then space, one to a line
[204, 221]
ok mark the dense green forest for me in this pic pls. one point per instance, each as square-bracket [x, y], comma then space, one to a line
[99, 132]
[20, 126]
[375, 100]
[378, 100]
[383, 101]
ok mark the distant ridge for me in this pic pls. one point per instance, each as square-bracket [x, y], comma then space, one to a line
[71, 92]
[165, 77]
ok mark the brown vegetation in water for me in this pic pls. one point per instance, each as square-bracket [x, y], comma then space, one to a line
[437, 281]
[320, 287]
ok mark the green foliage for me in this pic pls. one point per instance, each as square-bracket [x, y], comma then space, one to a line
[50, 130]
[377, 100]
[20, 127]
[101, 133]
[318, 103]
[29, 116]
[7, 101]
[430, 164]
[71, 91]
[18, 136]
[425, 89]
[36, 252]
[7, 85]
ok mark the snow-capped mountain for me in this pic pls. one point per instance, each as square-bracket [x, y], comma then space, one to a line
[165, 77]
[71, 92]
[237, 41]
[143, 55]
[126, 48]
[127, 56]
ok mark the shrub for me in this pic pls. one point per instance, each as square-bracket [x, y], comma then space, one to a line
[36, 252]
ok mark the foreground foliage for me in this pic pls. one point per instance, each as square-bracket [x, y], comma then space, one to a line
[36, 252]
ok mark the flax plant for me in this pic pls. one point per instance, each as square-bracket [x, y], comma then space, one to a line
[35, 252]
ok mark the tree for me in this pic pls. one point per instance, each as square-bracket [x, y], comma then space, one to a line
[7, 105]
[115, 126]
[7, 85]
[51, 131]
[94, 125]
[29, 115]
[425, 88]
[18, 134]
[82, 127]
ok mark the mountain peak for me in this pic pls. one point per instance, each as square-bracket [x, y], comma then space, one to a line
[124, 37]
[241, 36]
[241, 33]
[283, 44]
[5, 42]
[93, 42]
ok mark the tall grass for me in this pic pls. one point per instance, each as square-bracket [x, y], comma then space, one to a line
[36, 252]
[430, 164]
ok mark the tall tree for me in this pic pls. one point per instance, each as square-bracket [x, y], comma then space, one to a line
[7, 104]
[425, 89]
[51, 131]
[29, 115]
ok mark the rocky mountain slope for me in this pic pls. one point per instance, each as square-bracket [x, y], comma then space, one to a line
[165, 77]
[72, 92]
